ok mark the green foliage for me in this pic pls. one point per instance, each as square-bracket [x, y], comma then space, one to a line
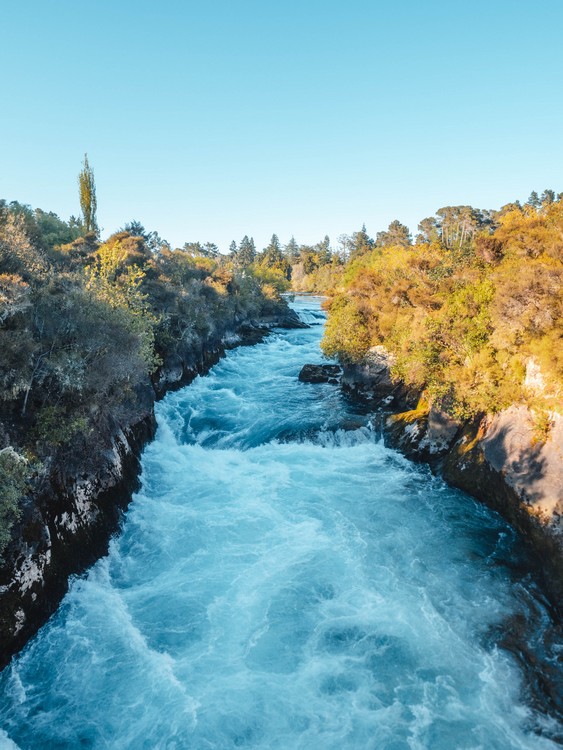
[14, 477]
[114, 280]
[54, 232]
[272, 269]
[54, 426]
[291, 251]
[246, 253]
[273, 280]
[87, 195]
[323, 279]
[346, 334]
[454, 226]
[465, 310]
[360, 243]
[397, 235]
[316, 268]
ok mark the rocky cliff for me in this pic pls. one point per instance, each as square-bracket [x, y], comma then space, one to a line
[503, 459]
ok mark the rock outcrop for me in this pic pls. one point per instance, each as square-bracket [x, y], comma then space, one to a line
[320, 374]
[371, 382]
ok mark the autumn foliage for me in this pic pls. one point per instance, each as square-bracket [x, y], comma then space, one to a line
[467, 321]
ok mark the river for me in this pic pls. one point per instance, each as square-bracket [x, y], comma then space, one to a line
[283, 580]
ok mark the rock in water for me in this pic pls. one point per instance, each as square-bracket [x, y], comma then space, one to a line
[320, 374]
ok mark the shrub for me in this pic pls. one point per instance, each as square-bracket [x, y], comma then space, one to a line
[14, 477]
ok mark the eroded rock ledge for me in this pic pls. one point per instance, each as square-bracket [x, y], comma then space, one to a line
[79, 499]
[499, 459]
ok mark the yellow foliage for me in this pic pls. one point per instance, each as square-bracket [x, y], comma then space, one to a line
[462, 328]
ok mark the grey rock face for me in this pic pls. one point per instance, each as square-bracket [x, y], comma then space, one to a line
[534, 469]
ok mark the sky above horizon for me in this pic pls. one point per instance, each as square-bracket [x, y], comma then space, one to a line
[209, 121]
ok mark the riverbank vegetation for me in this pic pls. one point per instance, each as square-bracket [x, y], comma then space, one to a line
[85, 324]
[471, 312]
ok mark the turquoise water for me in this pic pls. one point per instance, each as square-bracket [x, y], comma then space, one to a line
[283, 580]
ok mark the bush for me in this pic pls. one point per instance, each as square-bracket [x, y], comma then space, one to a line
[462, 327]
[14, 477]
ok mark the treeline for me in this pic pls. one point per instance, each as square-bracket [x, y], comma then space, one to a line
[471, 312]
[278, 267]
[85, 324]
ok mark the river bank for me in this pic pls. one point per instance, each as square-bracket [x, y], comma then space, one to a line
[499, 459]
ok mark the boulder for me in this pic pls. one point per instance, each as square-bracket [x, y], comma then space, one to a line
[423, 434]
[370, 381]
[320, 374]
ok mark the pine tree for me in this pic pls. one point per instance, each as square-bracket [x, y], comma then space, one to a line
[361, 243]
[272, 254]
[291, 250]
[246, 252]
[533, 200]
[323, 250]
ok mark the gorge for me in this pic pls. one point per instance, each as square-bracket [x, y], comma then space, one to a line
[282, 579]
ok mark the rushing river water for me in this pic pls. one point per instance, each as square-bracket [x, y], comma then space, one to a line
[283, 580]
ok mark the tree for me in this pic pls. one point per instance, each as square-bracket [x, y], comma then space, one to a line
[291, 250]
[193, 248]
[458, 225]
[548, 197]
[533, 200]
[454, 226]
[272, 258]
[323, 251]
[272, 255]
[153, 240]
[396, 234]
[136, 229]
[308, 259]
[428, 231]
[361, 243]
[246, 252]
[87, 193]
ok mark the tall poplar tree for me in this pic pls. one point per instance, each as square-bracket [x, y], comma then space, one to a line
[87, 193]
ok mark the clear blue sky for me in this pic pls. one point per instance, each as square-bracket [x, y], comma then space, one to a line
[211, 120]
